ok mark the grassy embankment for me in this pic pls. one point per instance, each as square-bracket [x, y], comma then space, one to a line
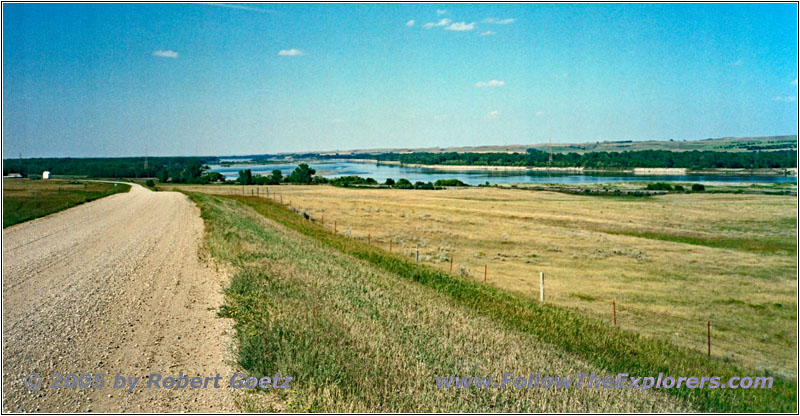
[671, 262]
[364, 329]
[25, 199]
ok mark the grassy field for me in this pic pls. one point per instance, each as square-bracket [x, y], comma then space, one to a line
[25, 199]
[672, 263]
[362, 329]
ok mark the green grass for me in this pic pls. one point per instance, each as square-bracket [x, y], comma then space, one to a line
[24, 199]
[763, 245]
[569, 333]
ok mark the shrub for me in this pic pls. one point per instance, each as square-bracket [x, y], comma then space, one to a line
[449, 182]
[403, 183]
[679, 188]
[389, 182]
[150, 183]
[659, 186]
[698, 187]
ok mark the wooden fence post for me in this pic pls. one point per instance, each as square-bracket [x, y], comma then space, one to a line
[541, 286]
[334, 226]
[323, 220]
[369, 238]
[485, 269]
[417, 253]
[614, 306]
[709, 339]
[390, 245]
[451, 262]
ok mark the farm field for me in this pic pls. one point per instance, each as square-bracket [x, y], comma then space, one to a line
[25, 199]
[671, 263]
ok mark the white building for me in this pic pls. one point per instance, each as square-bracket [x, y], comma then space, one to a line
[46, 174]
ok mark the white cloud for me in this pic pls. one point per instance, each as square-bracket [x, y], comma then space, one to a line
[539, 113]
[410, 23]
[492, 83]
[494, 21]
[441, 12]
[461, 27]
[560, 76]
[493, 114]
[737, 63]
[487, 33]
[443, 22]
[290, 52]
[794, 82]
[166, 54]
[787, 99]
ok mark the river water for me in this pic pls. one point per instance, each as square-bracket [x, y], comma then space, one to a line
[477, 176]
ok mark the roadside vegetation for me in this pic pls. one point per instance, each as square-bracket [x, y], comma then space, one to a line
[363, 329]
[26, 199]
[671, 262]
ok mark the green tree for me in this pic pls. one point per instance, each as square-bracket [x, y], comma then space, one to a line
[276, 177]
[403, 183]
[245, 177]
[302, 174]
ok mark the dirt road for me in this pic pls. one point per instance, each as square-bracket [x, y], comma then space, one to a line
[113, 286]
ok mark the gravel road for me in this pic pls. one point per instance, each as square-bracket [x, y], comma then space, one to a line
[113, 286]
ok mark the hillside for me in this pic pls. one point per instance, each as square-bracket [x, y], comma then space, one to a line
[728, 144]
[351, 320]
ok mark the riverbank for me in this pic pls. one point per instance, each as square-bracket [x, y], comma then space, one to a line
[635, 171]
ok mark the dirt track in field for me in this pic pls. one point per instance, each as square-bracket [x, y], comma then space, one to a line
[113, 286]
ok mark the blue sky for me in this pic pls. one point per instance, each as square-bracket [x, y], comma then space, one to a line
[187, 79]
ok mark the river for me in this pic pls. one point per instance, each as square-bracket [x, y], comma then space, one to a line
[477, 176]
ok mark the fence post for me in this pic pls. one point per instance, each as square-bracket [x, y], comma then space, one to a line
[541, 286]
[451, 262]
[334, 226]
[485, 269]
[417, 252]
[614, 305]
[709, 339]
[369, 238]
[323, 220]
[390, 245]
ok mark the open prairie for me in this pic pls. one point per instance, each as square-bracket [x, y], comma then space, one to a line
[25, 199]
[672, 263]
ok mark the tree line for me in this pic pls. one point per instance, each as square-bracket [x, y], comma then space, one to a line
[602, 160]
[166, 169]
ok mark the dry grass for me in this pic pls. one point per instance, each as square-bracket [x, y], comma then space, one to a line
[359, 339]
[671, 262]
